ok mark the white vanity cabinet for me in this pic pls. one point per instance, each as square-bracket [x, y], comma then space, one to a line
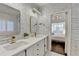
[22, 53]
[30, 51]
[36, 50]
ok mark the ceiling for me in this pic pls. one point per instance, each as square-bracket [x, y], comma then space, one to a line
[50, 7]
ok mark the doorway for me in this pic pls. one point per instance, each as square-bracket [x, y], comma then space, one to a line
[58, 32]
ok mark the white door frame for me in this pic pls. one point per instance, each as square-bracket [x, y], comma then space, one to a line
[68, 31]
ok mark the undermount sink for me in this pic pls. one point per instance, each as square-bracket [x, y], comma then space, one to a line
[15, 45]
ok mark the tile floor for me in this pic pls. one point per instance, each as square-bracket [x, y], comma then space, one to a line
[53, 54]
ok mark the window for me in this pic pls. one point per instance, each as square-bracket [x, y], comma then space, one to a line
[2, 25]
[6, 26]
[58, 28]
[9, 24]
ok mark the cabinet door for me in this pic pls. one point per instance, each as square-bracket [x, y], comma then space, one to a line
[22, 53]
[39, 48]
[30, 51]
[45, 45]
[36, 50]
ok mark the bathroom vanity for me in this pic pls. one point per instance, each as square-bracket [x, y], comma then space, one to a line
[33, 46]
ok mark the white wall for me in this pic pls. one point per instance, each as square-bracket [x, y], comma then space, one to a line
[75, 30]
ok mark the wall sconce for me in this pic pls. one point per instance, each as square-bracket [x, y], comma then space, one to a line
[34, 10]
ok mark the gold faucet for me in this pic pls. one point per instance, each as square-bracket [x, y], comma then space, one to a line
[13, 39]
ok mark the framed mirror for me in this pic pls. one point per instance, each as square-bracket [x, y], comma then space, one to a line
[33, 24]
[9, 20]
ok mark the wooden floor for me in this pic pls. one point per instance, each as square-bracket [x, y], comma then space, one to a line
[58, 47]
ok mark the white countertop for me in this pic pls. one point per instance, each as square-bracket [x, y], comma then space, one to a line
[30, 41]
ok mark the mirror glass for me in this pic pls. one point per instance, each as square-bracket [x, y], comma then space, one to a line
[9, 20]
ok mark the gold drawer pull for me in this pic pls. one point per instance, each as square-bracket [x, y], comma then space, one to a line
[37, 54]
[37, 49]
